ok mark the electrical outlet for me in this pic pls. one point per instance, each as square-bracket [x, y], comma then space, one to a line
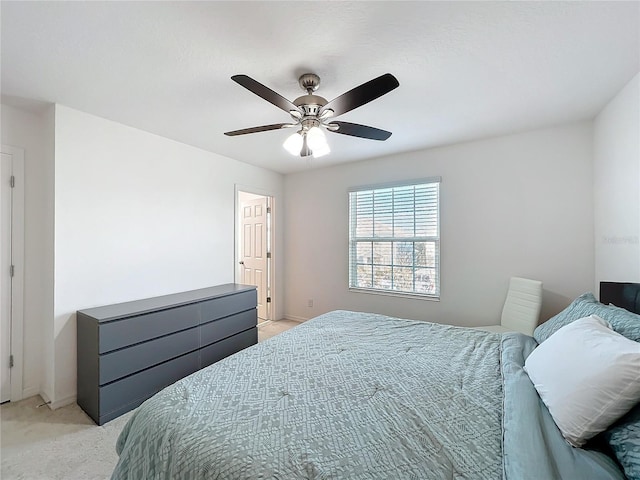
[310, 303]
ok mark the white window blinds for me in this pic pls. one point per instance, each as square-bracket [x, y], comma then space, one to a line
[394, 238]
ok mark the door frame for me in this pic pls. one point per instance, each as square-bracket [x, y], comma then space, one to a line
[270, 238]
[17, 282]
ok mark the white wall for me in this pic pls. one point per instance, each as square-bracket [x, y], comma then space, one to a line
[617, 187]
[518, 205]
[136, 216]
[48, 330]
[27, 129]
[139, 215]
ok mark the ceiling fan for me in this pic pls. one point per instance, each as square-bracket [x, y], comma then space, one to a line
[312, 113]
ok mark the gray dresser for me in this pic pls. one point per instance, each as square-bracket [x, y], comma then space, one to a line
[129, 351]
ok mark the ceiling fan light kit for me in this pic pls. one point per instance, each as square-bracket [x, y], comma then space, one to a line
[317, 142]
[293, 144]
[312, 113]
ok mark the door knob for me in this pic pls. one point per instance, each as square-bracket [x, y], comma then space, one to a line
[241, 262]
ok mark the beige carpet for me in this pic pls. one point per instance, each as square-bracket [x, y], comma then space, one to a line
[37, 443]
[269, 329]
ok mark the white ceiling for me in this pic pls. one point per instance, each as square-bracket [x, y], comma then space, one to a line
[466, 69]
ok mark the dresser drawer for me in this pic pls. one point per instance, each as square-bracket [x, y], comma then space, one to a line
[118, 364]
[225, 306]
[147, 382]
[228, 346]
[128, 331]
[225, 327]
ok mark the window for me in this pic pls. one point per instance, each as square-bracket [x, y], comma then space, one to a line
[394, 238]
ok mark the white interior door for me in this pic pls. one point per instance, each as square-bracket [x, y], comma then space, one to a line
[5, 279]
[254, 250]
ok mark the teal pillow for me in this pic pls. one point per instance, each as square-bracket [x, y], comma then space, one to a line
[624, 439]
[621, 320]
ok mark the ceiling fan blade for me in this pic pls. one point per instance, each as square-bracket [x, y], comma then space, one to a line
[362, 131]
[262, 128]
[264, 92]
[362, 94]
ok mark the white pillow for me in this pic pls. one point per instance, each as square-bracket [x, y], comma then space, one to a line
[587, 375]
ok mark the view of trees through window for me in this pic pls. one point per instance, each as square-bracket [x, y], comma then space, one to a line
[394, 239]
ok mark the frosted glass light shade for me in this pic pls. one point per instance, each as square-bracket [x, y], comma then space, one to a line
[321, 151]
[316, 138]
[293, 144]
[317, 142]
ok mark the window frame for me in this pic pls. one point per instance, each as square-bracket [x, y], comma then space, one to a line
[353, 240]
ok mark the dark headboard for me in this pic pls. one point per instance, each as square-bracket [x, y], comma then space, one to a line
[625, 295]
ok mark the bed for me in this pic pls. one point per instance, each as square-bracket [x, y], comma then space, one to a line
[352, 395]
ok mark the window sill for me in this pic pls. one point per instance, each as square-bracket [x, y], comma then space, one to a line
[389, 293]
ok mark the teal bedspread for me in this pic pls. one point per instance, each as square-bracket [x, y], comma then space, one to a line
[357, 396]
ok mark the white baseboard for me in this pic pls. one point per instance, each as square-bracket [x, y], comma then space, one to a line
[63, 402]
[30, 392]
[294, 318]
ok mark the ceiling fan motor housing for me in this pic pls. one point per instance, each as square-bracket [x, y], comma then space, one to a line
[310, 104]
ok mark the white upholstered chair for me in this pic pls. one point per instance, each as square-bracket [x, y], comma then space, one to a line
[521, 310]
